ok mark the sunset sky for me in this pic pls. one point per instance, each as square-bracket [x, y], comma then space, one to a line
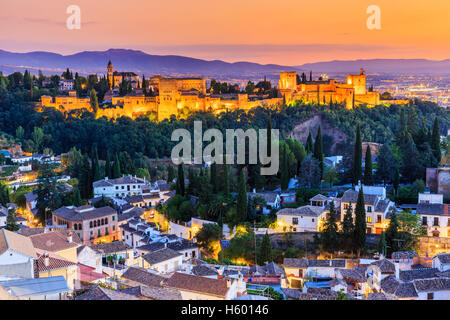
[288, 32]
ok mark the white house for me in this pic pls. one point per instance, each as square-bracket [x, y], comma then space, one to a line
[434, 215]
[302, 219]
[378, 207]
[17, 256]
[441, 262]
[162, 261]
[120, 187]
[272, 199]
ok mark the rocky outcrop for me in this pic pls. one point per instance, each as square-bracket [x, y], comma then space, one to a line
[301, 131]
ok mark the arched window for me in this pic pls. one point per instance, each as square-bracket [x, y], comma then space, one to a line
[106, 220]
[95, 224]
[80, 226]
[90, 224]
[75, 226]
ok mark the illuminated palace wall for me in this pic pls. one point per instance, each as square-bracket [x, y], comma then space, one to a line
[67, 103]
[179, 96]
[352, 93]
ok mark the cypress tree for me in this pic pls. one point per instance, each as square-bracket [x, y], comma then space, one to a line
[392, 234]
[330, 231]
[357, 157]
[284, 170]
[359, 234]
[226, 181]
[396, 180]
[85, 178]
[241, 206]
[180, 181]
[108, 166]
[435, 142]
[171, 174]
[96, 176]
[368, 178]
[77, 202]
[347, 228]
[309, 144]
[269, 136]
[318, 150]
[382, 244]
[94, 100]
[214, 182]
[11, 221]
[266, 250]
[116, 168]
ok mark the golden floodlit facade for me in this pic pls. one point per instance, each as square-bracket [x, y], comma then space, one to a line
[352, 93]
[180, 96]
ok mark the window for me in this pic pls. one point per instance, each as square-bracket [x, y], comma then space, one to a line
[114, 228]
[294, 220]
[369, 208]
[106, 220]
[378, 219]
[90, 224]
[312, 219]
[448, 223]
[369, 219]
[113, 218]
[424, 221]
[436, 222]
[430, 296]
[98, 233]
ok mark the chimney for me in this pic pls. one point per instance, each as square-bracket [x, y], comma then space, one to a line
[165, 245]
[69, 237]
[228, 283]
[46, 259]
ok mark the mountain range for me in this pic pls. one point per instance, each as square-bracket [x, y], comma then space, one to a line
[172, 65]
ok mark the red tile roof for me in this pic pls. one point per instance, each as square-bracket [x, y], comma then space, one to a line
[208, 286]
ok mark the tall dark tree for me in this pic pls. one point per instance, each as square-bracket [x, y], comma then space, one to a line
[318, 149]
[396, 181]
[309, 144]
[357, 157]
[226, 180]
[381, 247]
[214, 180]
[285, 170]
[359, 234]
[241, 206]
[436, 141]
[116, 173]
[47, 196]
[170, 174]
[412, 168]
[386, 165]
[392, 234]
[86, 178]
[180, 181]
[96, 176]
[108, 172]
[77, 202]
[266, 250]
[368, 178]
[11, 221]
[329, 237]
[348, 229]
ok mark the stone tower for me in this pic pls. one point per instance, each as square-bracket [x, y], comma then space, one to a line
[110, 72]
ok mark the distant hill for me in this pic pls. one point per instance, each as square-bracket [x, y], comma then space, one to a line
[132, 60]
[171, 65]
[391, 66]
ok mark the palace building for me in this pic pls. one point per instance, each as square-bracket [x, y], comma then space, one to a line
[180, 96]
[352, 93]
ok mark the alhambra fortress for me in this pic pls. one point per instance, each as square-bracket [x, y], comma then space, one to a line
[178, 96]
